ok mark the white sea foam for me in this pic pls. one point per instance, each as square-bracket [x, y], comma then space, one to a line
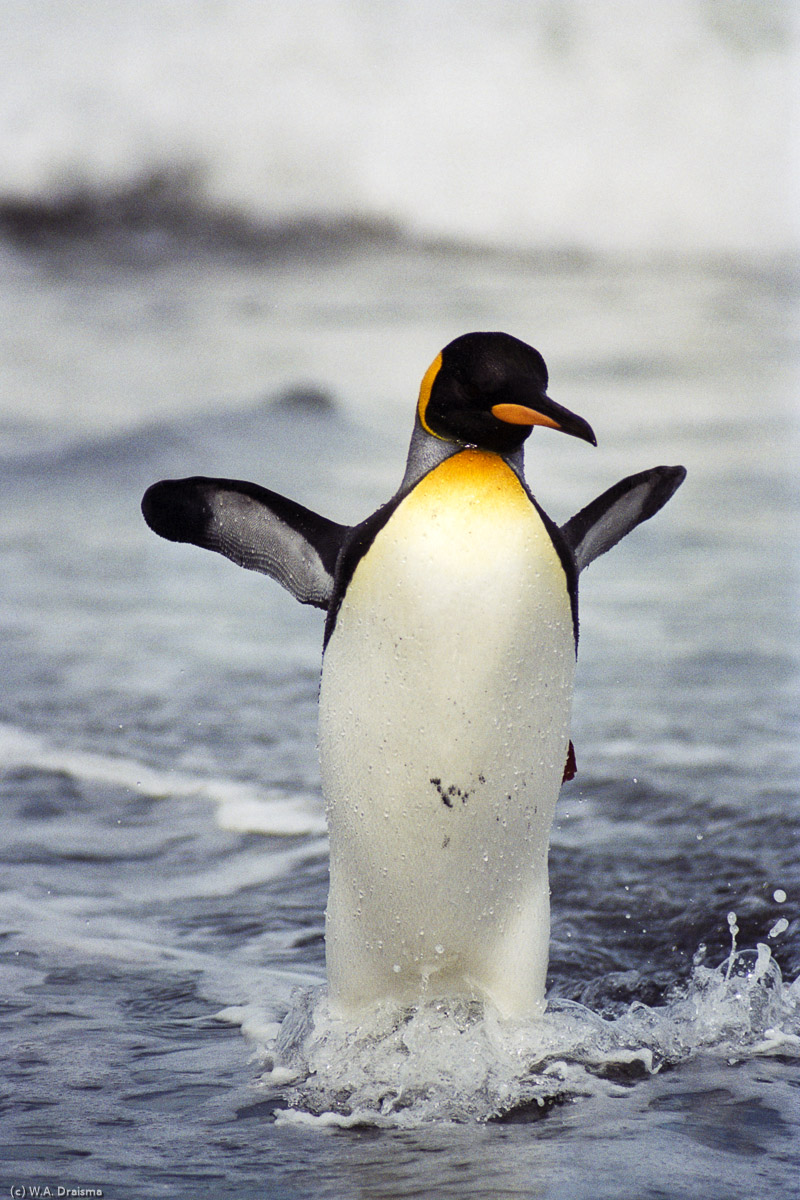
[241, 807]
[646, 127]
[456, 1062]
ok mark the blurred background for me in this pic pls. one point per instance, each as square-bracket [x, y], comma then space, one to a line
[233, 235]
[649, 129]
[559, 130]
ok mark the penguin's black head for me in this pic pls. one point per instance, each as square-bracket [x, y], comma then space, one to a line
[489, 390]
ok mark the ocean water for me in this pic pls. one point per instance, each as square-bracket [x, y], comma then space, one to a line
[164, 854]
[165, 1030]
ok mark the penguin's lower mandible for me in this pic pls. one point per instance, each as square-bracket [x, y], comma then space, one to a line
[447, 675]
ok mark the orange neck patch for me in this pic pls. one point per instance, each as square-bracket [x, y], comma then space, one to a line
[473, 477]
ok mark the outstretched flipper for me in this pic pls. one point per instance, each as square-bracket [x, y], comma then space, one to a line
[252, 526]
[616, 512]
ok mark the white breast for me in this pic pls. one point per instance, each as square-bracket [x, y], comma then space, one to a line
[444, 714]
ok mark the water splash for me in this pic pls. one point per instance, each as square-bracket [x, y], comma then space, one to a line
[456, 1061]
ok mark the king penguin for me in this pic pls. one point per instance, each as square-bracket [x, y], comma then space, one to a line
[448, 663]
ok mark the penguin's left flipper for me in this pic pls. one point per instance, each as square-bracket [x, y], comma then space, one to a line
[616, 512]
[256, 528]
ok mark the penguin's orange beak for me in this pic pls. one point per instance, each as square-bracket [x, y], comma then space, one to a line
[518, 414]
[547, 413]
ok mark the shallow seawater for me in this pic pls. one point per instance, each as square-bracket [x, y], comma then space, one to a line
[164, 872]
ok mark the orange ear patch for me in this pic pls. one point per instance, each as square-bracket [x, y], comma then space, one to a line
[425, 392]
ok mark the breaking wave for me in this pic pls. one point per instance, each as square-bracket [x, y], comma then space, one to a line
[241, 807]
[606, 128]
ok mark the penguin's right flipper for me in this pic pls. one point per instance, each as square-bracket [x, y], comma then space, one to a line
[252, 526]
[616, 512]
